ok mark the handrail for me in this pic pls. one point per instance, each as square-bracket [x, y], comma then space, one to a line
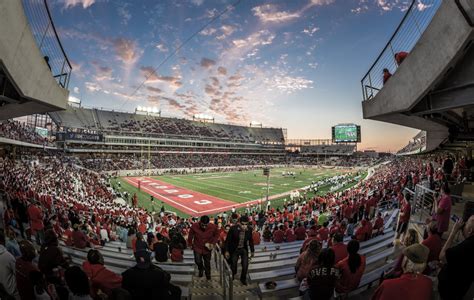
[46, 36]
[405, 37]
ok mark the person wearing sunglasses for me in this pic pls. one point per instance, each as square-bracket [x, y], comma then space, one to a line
[237, 245]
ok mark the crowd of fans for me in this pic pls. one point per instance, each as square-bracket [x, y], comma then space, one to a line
[22, 132]
[51, 199]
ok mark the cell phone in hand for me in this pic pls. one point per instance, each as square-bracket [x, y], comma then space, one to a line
[454, 218]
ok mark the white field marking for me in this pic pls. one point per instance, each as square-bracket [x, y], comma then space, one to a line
[270, 187]
[203, 202]
[298, 181]
[212, 177]
[164, 197]
[145, 181]
[153, 184]
[171, 191]
[245, 192]
[185, 196]
[285, 184]
[161, 187]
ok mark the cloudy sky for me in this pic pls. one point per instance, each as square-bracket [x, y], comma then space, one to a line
[295, 64]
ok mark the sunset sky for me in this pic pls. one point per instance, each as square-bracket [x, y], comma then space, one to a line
[293, 64]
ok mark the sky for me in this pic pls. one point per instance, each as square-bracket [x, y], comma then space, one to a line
[295, 64]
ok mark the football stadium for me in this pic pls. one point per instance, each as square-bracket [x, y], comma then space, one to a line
[223, 150]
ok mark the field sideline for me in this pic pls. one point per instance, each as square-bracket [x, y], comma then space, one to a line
[220, 190]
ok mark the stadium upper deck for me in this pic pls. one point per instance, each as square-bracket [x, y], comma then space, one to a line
[123, 124]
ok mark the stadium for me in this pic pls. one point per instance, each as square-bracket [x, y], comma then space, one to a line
[174, 192]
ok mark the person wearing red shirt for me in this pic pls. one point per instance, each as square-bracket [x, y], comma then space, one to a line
[324, 232]
[361, 232]
[405, 213]
[300, 232]
[400, 57]
[223, 235]
[279, 235]
[443, 211]
[339, 248]
[378, 225]
[290, 234]
[202, 238]
[256, 236]
[36, 222]
[433, 243]
[79, 239]
[99, 276]
[411, 285]
[368, 229]
[352, 268]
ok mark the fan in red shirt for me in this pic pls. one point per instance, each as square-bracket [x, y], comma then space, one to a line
[300, 232]
[404, 216]
[339, 248]
[386, 75]
[352, 267]
[101, 278]
[412, 285]
[400, 57]
[361, 232]
[202, 238]
[324, 232]
[36, 222]
[279, 235]
[290, 234]
[378, 225]
[256, 236]
[433, 243]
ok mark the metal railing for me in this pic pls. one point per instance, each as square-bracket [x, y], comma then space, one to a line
[46, 37]
[416, 20]
[225, 273]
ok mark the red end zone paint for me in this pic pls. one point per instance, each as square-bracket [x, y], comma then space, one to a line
[190, 202]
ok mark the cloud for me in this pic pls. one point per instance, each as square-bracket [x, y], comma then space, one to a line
[84, 3]
[74, 99]
[124, 14]
[227, 31]
[76, 90]
[162, 47]
[173, 82]
[102, 73]
[126, 50]
[207, 63]
[310, 31]
[268, 13]
[208, 31]
[321, 2]
[388, 5]
[222, 71]
[154, 89]
[421, 6]
[287, 84]
[197, 2]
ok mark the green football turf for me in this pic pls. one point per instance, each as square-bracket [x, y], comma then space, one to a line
[236, 186]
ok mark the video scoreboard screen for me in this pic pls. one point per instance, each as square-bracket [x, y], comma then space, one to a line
[348, 133]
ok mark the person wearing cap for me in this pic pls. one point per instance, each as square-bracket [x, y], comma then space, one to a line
[456, 275]
[202, 237]
[148, 281]
[412, 284]
[237, 243]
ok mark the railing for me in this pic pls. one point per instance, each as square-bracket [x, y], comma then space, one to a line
[407, 34]
[225, 273]
[42, 26]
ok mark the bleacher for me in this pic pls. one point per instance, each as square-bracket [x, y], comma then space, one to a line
[118, 258]
[281, 269]
[128, 123]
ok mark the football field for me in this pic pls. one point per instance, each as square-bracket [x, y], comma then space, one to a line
[212, 193]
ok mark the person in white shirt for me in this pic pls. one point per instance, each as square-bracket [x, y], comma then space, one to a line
[7, 269]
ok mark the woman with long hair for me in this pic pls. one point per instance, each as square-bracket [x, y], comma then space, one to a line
[307, 260]
[352, 268]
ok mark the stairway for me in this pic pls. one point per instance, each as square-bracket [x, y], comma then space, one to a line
[203, 289]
